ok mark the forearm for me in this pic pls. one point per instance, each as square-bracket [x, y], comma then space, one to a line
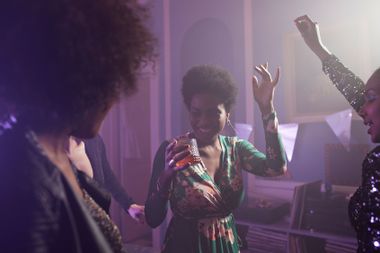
[351, 86]
[273, 162]
[116, 189]
[322, 52]
[157, 203]
[156, 208]
[275, 154]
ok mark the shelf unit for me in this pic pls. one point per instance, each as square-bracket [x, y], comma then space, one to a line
[289, 234]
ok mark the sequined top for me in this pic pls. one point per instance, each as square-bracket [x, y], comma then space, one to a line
[108, 228]
[364, 206]
[351, 86]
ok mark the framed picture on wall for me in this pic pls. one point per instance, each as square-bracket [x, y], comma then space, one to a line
[309, 94]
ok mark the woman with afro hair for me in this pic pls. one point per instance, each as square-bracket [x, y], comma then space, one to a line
[202, 195]
[63, 64]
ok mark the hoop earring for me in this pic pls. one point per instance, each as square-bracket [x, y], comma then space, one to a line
[231, 126]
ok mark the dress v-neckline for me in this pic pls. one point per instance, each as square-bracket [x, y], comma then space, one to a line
[221, 163]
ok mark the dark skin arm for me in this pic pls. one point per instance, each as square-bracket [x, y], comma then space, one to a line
[163, 172]
[312, 37]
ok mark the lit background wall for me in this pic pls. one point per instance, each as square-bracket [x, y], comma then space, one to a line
[238, 34]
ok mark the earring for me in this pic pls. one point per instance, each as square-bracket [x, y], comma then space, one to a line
[231, 126]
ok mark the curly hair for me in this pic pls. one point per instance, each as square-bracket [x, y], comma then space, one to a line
[209, 79]
[64, 56]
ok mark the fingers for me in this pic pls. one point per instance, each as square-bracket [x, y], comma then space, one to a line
[277, 77]
[140, 217]
[174, 158]
[265, 75]
[304, 24]
[255, 84]
[176, 152]
[171, 145]
[304, 18]
[137, 212]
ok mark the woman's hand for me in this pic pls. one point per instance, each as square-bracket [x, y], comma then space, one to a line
[263, 91]
[137, 213]
[175, 152]
[311, 35]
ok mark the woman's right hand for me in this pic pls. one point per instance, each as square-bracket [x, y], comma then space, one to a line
[312, 37]
[174, 153]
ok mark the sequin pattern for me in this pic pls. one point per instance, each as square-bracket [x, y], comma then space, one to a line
[109, 229]
[364, 207]
[351, 86]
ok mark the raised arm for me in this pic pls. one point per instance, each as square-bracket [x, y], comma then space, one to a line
[351, 86]
[274, 162]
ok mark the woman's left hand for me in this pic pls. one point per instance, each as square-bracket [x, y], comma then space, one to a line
[263, 91]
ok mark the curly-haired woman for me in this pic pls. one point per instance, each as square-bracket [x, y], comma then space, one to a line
[203, 195]
[63, 64]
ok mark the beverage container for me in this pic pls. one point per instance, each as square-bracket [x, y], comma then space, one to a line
[194, 156]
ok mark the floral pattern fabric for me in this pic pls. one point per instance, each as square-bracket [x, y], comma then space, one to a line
[202, 208]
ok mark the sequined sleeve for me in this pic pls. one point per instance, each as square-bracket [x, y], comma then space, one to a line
[351, 86]
[274, 161]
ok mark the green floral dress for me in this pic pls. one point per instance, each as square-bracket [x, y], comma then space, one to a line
[202, 208]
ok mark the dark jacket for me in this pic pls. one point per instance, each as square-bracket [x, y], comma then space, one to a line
[40, 212]
[103, 174]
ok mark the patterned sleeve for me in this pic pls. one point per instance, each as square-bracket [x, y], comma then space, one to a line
[273, 162]
[156, 205]
[351, 86]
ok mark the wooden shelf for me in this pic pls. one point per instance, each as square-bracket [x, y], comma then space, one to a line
[289, 234]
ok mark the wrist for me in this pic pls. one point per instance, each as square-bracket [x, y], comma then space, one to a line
[322, 52]
[269, 116]
[267, 110]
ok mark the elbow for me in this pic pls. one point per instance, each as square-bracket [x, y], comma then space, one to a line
[283, 169]
[152, 223]
[154, 215]
[279, 171]
[152, 220]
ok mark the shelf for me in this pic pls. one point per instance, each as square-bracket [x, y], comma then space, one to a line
[330, 236]
[281, 226]
[291, 232]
